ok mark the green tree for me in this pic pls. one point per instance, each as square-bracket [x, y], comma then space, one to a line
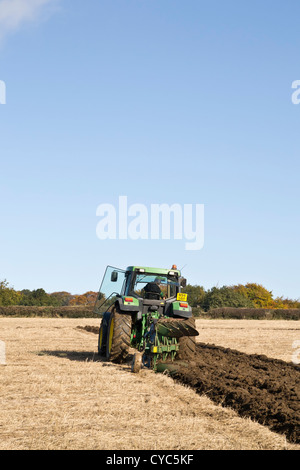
[225, 297]
[38, 298]
[61, 299]
[8, 296]
[195, 294]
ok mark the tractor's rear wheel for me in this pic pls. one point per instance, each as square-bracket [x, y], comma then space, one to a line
[187, 344]
[118, 336]
[103, 334]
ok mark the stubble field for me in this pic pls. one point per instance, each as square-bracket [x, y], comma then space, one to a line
[56, 393]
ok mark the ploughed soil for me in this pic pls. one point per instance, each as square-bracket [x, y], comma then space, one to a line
[257, 387]
[263, 389]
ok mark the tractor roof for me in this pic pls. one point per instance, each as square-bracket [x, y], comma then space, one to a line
[153, 270]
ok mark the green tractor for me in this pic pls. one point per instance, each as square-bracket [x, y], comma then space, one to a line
[145, 309]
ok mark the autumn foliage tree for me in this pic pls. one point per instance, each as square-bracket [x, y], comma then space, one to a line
[257, 294]
[89, 298]
[8, 296]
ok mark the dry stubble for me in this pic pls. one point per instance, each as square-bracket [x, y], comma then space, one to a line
[57, 394]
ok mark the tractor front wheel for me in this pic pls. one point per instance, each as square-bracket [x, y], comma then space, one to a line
[118, 336]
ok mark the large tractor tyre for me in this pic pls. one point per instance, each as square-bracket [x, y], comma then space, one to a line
[118, 336]
[102, 339]
[187, 344]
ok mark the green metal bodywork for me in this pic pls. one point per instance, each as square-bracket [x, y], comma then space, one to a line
[149, 337]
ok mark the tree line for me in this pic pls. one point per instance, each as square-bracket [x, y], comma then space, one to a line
[40, 298]
[250, 295]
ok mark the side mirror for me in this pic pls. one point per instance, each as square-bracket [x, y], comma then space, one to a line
[114, 276]
[183, 282]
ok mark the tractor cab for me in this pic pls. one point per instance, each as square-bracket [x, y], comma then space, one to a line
[152, 284]
[141, 283]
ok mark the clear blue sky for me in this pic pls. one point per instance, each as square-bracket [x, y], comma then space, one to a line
[162, 101]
